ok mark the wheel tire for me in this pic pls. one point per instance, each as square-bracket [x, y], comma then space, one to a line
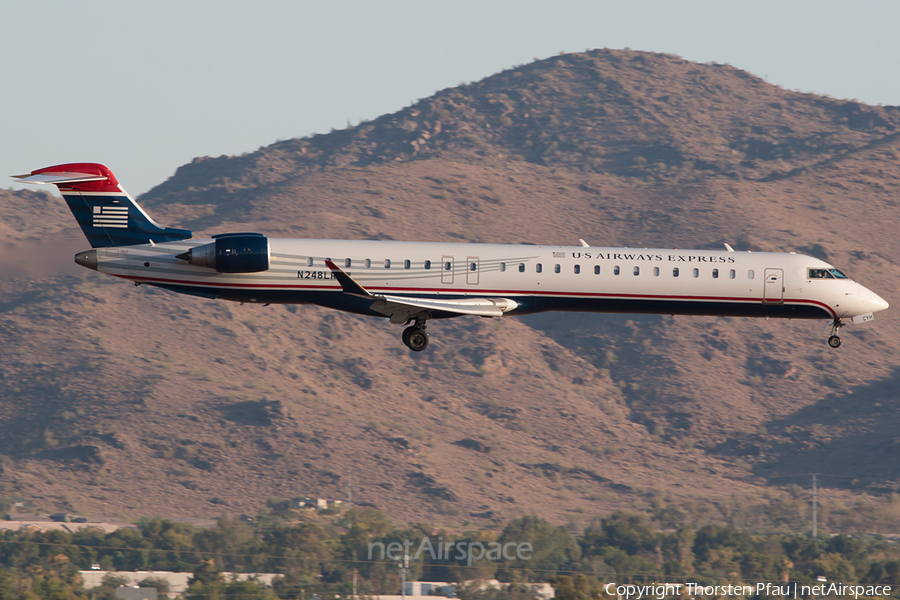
[406, 333]
[834, 341]
[417, 340]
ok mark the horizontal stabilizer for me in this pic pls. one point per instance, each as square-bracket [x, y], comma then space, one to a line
[107, 215]
[57, 178]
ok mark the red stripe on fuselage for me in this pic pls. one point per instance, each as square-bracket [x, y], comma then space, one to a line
[471, 292]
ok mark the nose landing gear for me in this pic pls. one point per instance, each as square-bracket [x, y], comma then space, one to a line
[834, 339]
[415, 337]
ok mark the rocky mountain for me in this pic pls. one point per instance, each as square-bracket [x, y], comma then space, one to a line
[133, 401]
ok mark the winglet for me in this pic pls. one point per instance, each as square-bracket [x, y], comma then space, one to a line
[347, 284]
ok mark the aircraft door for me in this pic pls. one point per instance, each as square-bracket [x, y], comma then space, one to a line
[446, 269]
[774, 286]
[472, 270]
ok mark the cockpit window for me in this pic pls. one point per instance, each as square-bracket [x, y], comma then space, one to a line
[826, 274]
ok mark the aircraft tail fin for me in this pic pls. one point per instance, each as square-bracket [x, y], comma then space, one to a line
[108, 216]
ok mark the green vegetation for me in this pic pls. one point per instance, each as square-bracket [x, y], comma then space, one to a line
[321, 557]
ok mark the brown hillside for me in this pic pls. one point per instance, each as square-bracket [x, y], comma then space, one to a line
[653, 116]
[137, 401]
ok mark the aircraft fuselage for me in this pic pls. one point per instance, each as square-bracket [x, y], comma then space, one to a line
[537, 278]
[412, 282]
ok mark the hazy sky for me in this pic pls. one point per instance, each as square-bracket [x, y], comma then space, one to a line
[145, 87]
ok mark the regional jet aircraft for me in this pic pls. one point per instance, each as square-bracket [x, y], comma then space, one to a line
[412, 282]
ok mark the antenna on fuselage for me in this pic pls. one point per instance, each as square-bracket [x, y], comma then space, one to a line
[728, 247]
[584, 243]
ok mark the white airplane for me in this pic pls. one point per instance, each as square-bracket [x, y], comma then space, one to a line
[412, 282]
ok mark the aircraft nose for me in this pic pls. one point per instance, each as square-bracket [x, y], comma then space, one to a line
[878, 302]
[873, 302]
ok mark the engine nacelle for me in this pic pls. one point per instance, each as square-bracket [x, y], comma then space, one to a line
[231, 253]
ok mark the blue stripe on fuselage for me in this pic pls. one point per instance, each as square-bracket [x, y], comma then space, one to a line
[527, 304]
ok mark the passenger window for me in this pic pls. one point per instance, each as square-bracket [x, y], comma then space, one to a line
[637, 270]
[538, 268]
[347, 262]
[751, 274]
[732, 274]
[596, 269]
[503, 267]
[473, 266]
[556, 268]
[368, 263]
[577, 269]
[448, 266]
[715, 273]
[521, 267]
[387, 263]
[656, 271]
[616, 270]
[406, 264]
[696, 272]
[309, 262]
[427, 265]
[675, 272]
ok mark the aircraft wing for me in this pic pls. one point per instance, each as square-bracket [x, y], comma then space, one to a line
[482, 307]
[401, 308]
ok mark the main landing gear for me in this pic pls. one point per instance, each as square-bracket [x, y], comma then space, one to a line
[834, 340]
[415, 337]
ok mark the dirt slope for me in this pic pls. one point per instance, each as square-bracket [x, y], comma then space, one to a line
[133, 401]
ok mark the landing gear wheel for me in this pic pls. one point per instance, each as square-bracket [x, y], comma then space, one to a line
[835, 341]
[415, 338]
